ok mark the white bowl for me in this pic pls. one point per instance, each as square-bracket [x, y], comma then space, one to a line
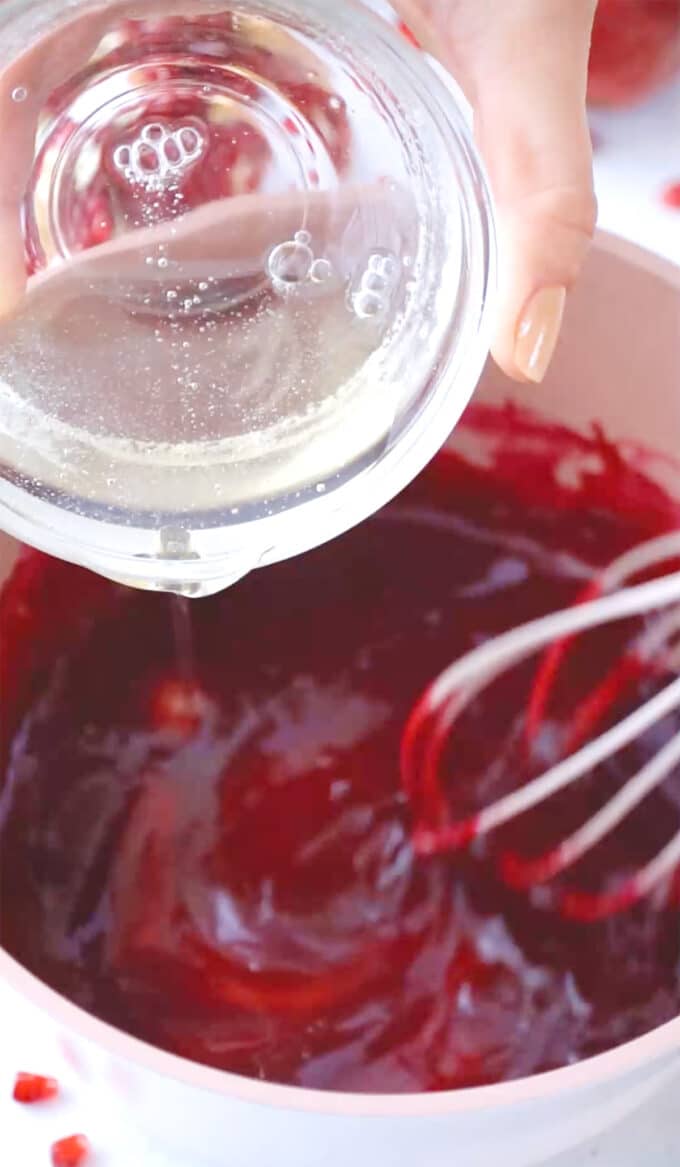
[618, 365]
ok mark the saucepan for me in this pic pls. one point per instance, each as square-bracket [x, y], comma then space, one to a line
[617, 366]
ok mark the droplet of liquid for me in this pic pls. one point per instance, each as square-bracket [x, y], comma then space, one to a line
[20, 93]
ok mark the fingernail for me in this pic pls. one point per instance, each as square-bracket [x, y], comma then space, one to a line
[538, 332]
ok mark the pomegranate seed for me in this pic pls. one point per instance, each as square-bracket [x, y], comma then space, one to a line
[30, 1088]
[671, 196]
[71, 1152]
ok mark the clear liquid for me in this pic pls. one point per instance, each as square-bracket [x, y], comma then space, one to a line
[196, 329]
[177, 114]
[244, 254]
[181, 614]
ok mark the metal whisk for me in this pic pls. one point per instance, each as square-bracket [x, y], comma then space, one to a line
[612, 596]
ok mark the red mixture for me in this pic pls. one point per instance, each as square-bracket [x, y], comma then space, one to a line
[222, 864]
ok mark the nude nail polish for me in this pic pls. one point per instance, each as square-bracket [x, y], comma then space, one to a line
[538, 332]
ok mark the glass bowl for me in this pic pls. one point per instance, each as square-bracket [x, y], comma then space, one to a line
[260, 250]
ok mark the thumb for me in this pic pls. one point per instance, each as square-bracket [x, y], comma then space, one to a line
[524, 67]
[533, 132]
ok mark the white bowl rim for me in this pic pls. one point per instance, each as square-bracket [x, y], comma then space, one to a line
[660, 1043]
[591, 1073]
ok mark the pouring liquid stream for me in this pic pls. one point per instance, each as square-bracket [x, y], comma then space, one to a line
[183, 638]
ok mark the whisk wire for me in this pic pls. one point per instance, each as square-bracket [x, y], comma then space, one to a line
[605, 602]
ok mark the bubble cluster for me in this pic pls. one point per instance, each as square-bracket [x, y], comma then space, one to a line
[159, 155]
[290, 263]
[293, 264]
[378, 281]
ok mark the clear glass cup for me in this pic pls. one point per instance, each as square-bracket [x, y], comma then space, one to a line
[259, 248]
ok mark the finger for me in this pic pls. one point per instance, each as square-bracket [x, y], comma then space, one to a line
[524, 66]
[533, 131]
[24, 88]
[235, 239]
[17, 137]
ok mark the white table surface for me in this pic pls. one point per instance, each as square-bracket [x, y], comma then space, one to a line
[650, 1138]
[638, 154]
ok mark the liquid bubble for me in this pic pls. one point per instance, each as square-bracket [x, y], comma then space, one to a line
[321, 271]
[159, 155]
[368, 304]
[378, 282]
[290, 264]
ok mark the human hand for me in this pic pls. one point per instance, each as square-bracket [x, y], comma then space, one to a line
[530, 122]
[524, 67]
